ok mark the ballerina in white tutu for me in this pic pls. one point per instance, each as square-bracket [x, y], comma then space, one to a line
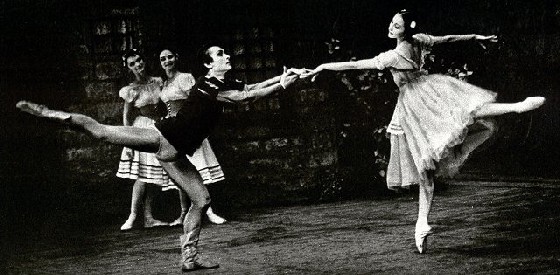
[438, 120]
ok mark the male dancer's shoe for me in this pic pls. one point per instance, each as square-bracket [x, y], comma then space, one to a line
[190, 259]
[421, 237]
[42, 111]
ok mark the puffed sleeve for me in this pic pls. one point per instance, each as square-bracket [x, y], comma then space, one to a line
[128, 93]
[425, 40]
[385, 60]
[186, 81]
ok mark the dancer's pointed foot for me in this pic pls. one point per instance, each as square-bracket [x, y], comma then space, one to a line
[128, 224]
[421, 237]
[179, 221]
[42, 111]
[530, 103]
[151, 223]
[199, 263]
[215, 218]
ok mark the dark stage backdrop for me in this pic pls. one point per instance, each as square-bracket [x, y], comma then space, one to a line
[314, 142]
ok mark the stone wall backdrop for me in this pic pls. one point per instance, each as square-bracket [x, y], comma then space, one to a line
[313, 142]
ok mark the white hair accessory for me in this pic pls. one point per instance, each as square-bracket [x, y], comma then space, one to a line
[412, 24]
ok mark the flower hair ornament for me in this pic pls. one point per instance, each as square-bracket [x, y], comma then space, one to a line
[412, 23]
[129, 53]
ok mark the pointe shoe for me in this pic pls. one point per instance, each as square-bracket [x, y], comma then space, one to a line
[42, 111]
[151, 223]
[128, 224]
[215, 218]
[178, 221]
[421, 237]
[531, 103]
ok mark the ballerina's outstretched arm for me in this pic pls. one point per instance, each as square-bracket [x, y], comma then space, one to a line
[481, 39]
[379, 62]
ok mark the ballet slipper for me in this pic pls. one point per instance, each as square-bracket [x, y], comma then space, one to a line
[128, 224]
[421, 237]
[42, 111]
[151, 223]
[215, 218]
[530, 103]
[179, 220]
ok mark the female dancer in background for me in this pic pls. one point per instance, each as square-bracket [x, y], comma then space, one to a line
[175, 90]
[142, 94]
[180, 135]
[430, 127]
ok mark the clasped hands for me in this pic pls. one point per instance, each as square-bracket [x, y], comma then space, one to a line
[289, 76]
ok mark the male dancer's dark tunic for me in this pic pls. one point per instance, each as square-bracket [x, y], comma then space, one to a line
[198, 116]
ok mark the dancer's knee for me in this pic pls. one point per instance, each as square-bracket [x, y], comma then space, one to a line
[202, 202]
[167, 152]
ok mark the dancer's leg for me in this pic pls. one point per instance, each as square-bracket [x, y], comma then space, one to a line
[184, 208]
[149, 220]
[138, 191]
[141, 139]
[189, 180]
[425, 200]
[496, 109]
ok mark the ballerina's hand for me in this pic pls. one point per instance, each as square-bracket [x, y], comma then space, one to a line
[488, 38]
[485, 38]
[312, 73]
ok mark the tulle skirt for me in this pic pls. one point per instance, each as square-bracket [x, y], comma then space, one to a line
[433, 128]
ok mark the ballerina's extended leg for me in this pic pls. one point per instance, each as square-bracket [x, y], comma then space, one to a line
[496, 109]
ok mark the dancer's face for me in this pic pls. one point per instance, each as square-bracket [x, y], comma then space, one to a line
[167, 60]
[220, 60]
[135, 64]
[396, 27]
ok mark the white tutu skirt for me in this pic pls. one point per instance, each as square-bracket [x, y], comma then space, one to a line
[205, 162]
[434, 128]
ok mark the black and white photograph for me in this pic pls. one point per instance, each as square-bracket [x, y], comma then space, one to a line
[280, 137]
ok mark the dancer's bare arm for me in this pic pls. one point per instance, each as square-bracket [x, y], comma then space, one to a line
[275, 80]
[255, 91]
[127, 114]
[380, 62]
[234, 96]
[467, 37]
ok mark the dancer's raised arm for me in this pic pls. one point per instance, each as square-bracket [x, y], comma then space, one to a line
[466, 37]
